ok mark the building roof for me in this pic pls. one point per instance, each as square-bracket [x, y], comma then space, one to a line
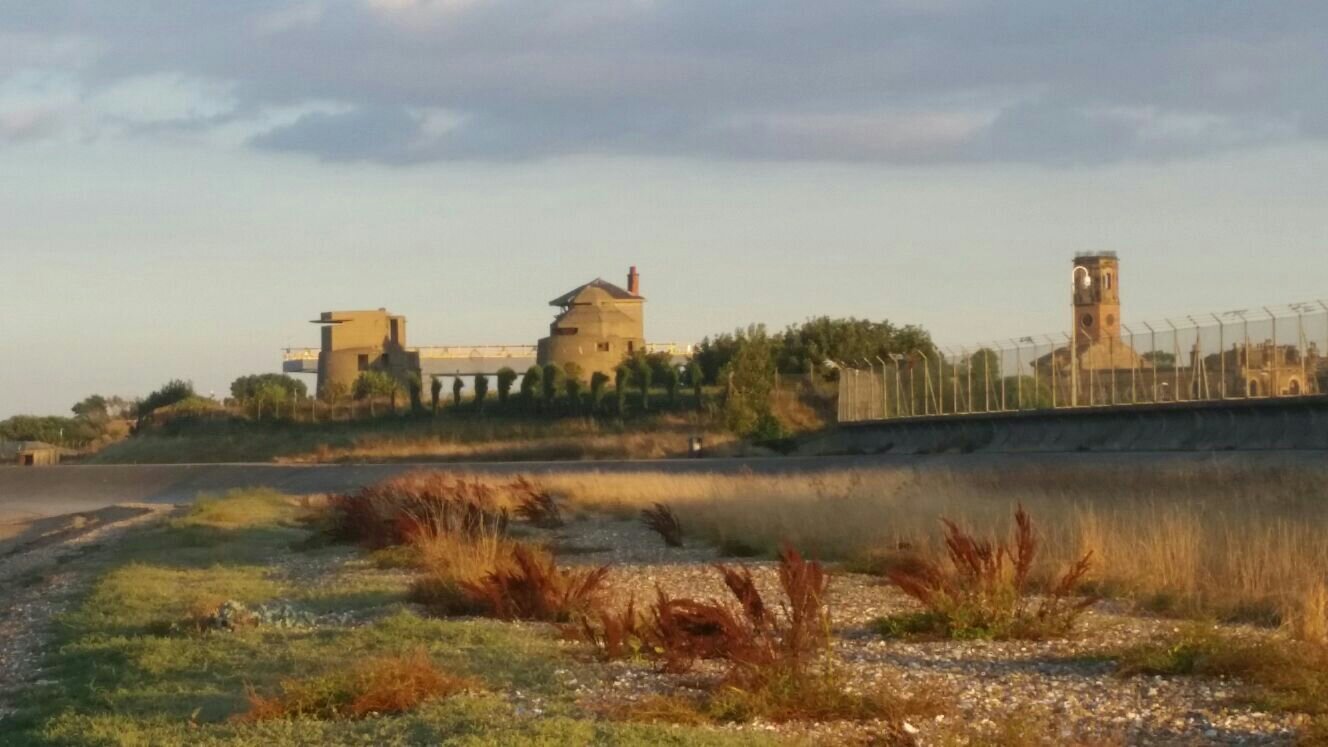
[9, 448]
[618, 294]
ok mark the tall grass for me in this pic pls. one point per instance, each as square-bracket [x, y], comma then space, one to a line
[1226, 539]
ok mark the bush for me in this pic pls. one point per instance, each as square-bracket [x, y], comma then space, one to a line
[481, 390]
[536, 589]
[552, 382]
[506, 377]
[984, 592]
[598, 382]
[173, 391]
[457, 385]
[378, 686]
[532, 384]
[416, 506]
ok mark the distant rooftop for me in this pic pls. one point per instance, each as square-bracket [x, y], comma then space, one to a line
[614, 292]
[1089, 255]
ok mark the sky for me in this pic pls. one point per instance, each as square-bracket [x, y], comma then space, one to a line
[185, 183]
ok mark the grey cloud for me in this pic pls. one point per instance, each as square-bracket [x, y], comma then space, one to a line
[1042, 81]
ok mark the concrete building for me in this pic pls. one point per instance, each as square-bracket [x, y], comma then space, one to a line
[29, 453]
[1262, 369]
[357, 341]
[598, 324]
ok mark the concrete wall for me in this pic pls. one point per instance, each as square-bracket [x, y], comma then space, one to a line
[1299, 423]
[596, 331]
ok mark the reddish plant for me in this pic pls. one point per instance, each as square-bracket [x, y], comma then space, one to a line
[420, 504]
[661, 519]
[534, 588]
[984, 592]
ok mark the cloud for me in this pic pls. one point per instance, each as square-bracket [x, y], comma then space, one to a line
[905, 81]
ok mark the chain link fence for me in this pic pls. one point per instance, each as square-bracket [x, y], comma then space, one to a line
[1252, 353]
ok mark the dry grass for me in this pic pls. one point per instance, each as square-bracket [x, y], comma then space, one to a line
[532, 587]
[1239, 542]
[661, 520]
[372, 687]
[985, 591]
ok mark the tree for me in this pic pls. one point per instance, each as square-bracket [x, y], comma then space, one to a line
[246, 388]
[749, 380]
[457, 385]
[333, 392]
[644, 373]
[1160, 359]
[269, 396]
[92, 409]
[812, 345]
[506, 377]
[531, 386]
[481, 391]
[672, 381]
[572, 385]
[696, 378]
[599, 381]
[370, 385]
[170, 393]
[553, 381]
[621, 375]
[435, 392]
[415, 387]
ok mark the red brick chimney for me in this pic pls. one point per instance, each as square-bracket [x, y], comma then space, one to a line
[633, 282]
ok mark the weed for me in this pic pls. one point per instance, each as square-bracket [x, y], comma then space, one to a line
[661, 519]
[377, 686]
[534, 588]
[984, 592]
[536, 505]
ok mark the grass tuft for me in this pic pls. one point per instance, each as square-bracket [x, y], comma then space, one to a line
[532, 587]
[661, 520]
[377, 686]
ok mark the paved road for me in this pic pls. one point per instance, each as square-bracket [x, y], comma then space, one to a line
[27, 493]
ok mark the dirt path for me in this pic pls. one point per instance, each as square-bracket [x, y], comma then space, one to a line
[38, 582]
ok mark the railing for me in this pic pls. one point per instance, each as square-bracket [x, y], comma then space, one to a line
[454, 352]
[1259, 353]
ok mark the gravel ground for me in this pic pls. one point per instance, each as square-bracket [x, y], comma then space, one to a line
[1055, 686]
[1055, 683]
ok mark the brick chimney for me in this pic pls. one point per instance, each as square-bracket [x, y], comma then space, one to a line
[633, 282]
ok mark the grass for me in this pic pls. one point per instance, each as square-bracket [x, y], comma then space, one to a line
[116, 675]
[1230, 541]
[416, 438]
[1276, 674]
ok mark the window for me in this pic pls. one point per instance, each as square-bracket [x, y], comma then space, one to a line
[604, 347]
[564, 331]
[364, 362]
[1106, 280]
[631, 346]
[1087, 321]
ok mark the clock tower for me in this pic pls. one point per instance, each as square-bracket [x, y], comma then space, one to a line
[1096, 298]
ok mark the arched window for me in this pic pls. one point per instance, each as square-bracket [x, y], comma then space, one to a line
[1294, 389]
[1253, 388]
[1106, 280]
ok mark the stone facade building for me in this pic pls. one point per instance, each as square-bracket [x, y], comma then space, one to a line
[598, 324]
[357, 341]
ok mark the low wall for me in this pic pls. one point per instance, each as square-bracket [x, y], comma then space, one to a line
[1245, 425]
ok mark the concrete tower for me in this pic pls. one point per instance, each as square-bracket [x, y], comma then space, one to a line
[1096, 298]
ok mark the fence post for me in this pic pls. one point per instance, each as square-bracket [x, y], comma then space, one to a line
[885, 391]
[1275, 365]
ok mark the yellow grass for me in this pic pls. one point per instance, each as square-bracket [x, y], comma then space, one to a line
[1233, 541]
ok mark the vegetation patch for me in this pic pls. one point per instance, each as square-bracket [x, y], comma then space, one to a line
[373, 687]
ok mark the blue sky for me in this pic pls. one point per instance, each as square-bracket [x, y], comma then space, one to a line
[184, 184]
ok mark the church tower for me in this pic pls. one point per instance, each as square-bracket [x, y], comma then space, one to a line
[1096, 298]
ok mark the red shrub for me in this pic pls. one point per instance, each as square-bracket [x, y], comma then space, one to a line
[534, 588]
